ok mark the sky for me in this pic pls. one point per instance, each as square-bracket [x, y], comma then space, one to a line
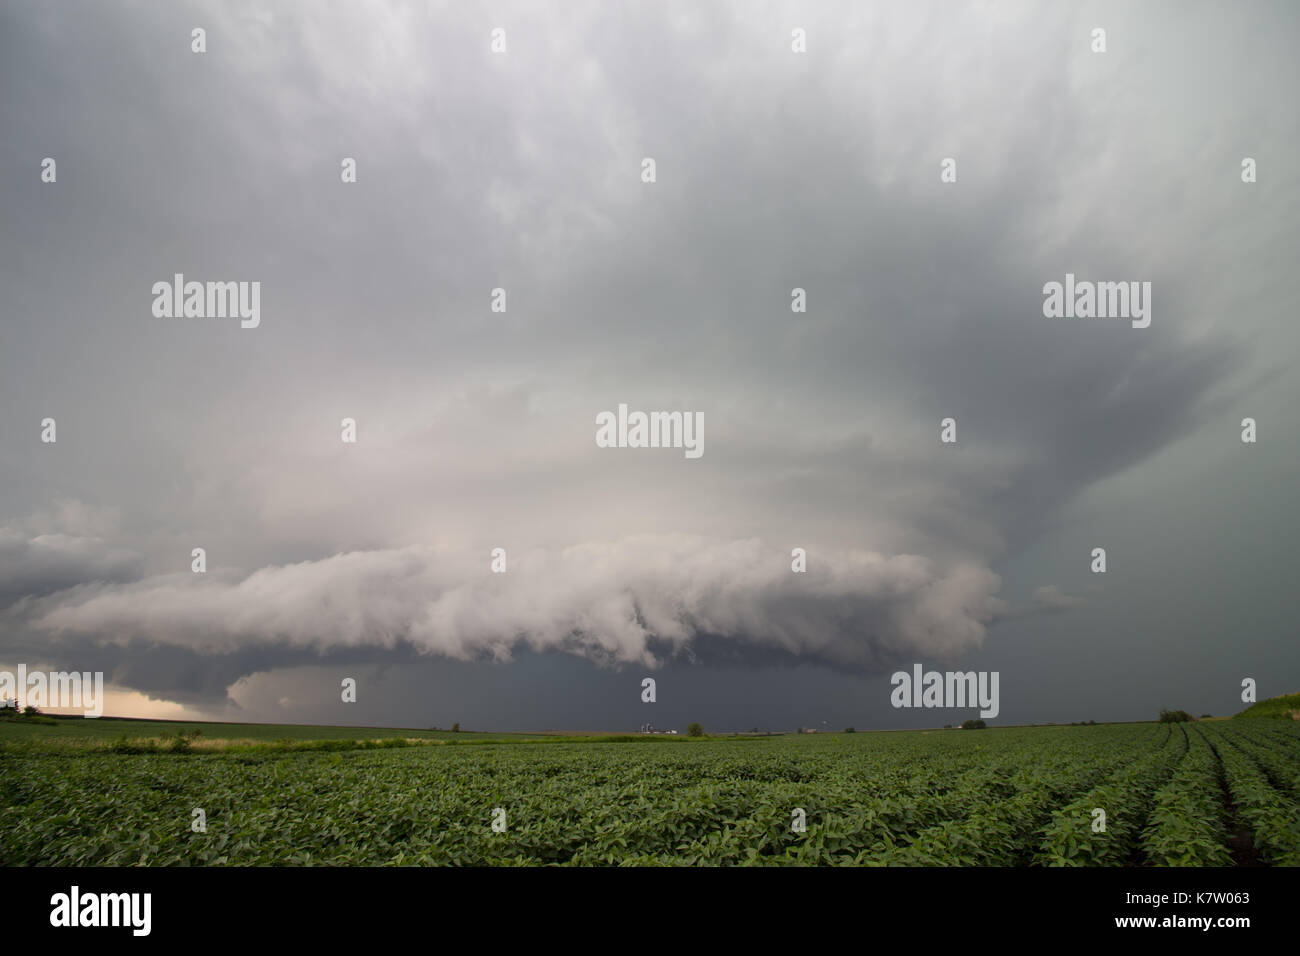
[522, 169]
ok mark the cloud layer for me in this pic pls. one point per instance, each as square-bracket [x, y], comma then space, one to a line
[626, 601]
[476, 429]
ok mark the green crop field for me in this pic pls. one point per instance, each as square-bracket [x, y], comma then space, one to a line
[1203, 793]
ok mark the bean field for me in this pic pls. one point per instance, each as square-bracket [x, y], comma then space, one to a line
[1208, 793]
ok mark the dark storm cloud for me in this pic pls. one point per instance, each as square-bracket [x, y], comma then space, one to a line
[49, 563]
[476, 429]
[66, 546]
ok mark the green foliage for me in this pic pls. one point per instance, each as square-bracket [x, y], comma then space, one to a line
[1072, 838]
[849, 730]
[1286, 706]
[1267, 811]
[1185, 826]
[455, 728]
[1174, 716]
[973, 724]
[694, 730]
[1020, 797]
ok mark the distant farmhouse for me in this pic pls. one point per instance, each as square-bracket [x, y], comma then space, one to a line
[649, 729]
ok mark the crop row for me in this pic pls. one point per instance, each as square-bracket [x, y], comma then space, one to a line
[1102, 828]
[1281, 765]
[1186, 823]
[1007, 797]
[1271, 816]
[999, 833]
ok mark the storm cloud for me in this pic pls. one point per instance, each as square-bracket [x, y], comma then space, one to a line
[475, 428]
[604, 602]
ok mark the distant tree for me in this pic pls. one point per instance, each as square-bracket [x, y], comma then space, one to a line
[31, 710]
[1203, 716]
[1174, 716]
[849, 730]
[975, 724]
[947, 726]
[455, 728]
[694, 730]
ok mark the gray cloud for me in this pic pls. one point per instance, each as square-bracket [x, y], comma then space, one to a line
[607, 602]
[476, 428]
[49, 552]
[1051, 598]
